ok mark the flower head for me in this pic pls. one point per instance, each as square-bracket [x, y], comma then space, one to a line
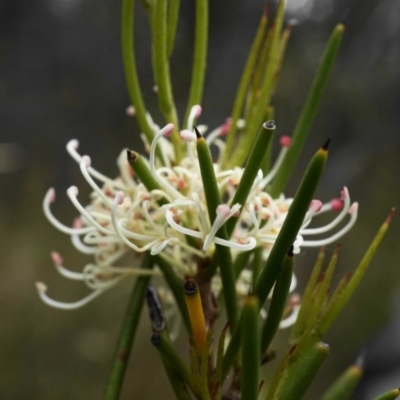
[170, 218]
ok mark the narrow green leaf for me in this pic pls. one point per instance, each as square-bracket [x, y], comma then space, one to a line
[204, 363]
[257, 264]
[178, 385]
[250, 350]
[130, 69]
[309, 111]
[162, 72]
[347, 292]
[256, 113]
[220, 355]
[199, 57]
[296, 383]
[244, 85]
[213, 200]
[344, 386]
[391, 395]
[169, 354]
[144, 173]
[292, 224]
[173, 17]
[278, 302]
[175, 284]
[299, 327]
[253, 165]
[127, 335]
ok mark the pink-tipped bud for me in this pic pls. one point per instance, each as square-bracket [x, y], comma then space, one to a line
[285, 141]
[187, 135]
[167, 130]
[130, 111]
[315, 205]
[223, 210]
[336, 205]
[294, 299]
[86, 161]
[56, 258]
[225, 127]
[353, 208]
[344, 194]
[120, 197]
[51, 195]
[77, 223]
[196, 110]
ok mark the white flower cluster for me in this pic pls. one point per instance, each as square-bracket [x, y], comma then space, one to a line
[123, 215]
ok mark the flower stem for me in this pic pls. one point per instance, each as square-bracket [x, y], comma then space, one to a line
[127, 335]
[129, 62]
[199, 57]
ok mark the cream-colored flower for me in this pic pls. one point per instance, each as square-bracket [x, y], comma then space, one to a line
[124, 216]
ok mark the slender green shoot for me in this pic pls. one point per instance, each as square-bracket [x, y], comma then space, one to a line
[127, 335]
[251, 360]
[244, 84]
[130, 69]
[344, 386]
[309, 111]
[199, 57]
[173, 17]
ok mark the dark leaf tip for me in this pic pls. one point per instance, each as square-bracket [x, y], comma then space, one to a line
[326, 144]
[198, 134]
[131, 155]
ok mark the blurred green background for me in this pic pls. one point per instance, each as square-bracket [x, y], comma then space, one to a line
[61, 77]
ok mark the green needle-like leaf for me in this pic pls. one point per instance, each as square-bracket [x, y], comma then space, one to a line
[299, 327]
[175, 284]
[253, 165]
[127, 335]
[250, 350]
[309, 111]
[173, 17]
[172, 358]
[220, 354]
[144, 173]
[297, 381]
[278, 302]
[257, 112]
[162, 72]
[344, 386]
[292, 224]
[213, 200]
[130, 69]
[391, 395]
[339, 301]
[199, 57]
[244, 85]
